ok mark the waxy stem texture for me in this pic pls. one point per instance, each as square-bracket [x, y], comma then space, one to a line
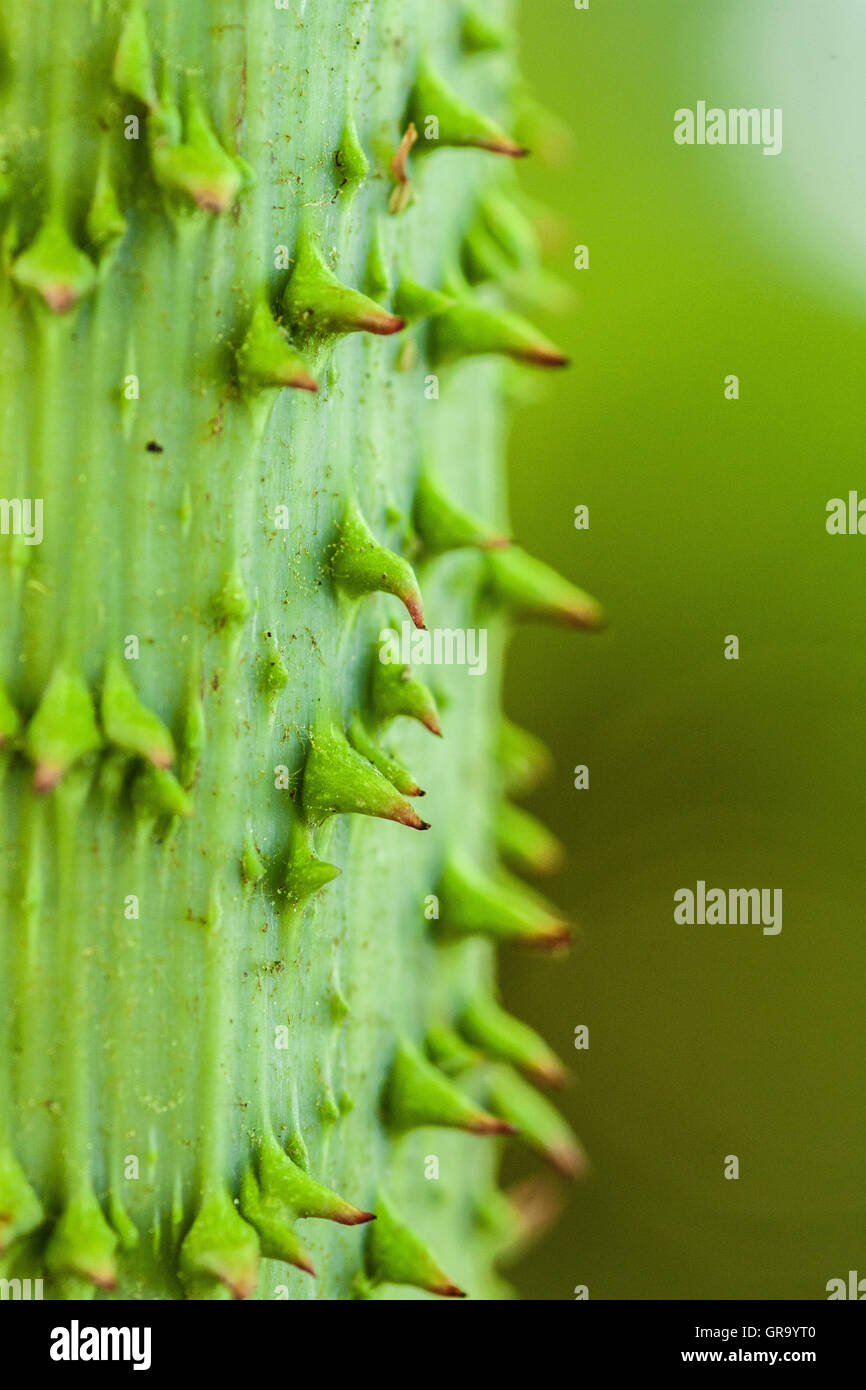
[253, 345]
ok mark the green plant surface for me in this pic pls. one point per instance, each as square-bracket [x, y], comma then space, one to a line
[220, 946]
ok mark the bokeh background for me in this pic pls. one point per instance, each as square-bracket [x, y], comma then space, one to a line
[707, 517]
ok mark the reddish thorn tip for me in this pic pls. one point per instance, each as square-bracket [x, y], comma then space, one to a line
[542, 357]
[448, 1290]
[60, 298]
[382, 324]
[46, 777]
[358, 1218]
[550, 1075]
[568, 1161]
[413, 606]
[302, 381]
[489, 1124]
[506, 147]
[407, 815]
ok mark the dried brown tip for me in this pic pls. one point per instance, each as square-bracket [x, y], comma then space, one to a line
[447, 1290]
[542, 357]
[431, 722]
[585, 618]
[504, 146]
[60, 298]
[357, 1218]
[302, 381]
[305, 1264]
[556, 938]
[549, 1074]
[212, 199]
[160, 757]
[568, 1160]
[399, 162]
[411, 600]
[46, 778]
[383, 324]
[407, 815]
[491, 1124]
[538, 1204]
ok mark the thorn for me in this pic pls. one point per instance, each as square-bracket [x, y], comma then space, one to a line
[266, 358]
[486, 1025]
[305, 875]
[389, 767]
[532, 589]
[497, 906]
[157, 792]
[447, 1290]
[478, 34]
[198, 168]
[511, 229]
[471, 330]
[283, 1182]
[230, 606]
[252, 864]
[338, 780]
[414, 302]
[377, 275]
[394, 691]
[546, 132]
[443, 526]
[105, 224]
[82, 1243]
[273, 1222]
[491, 1125]
[523, 759]
[395, 1255]
[351, 162]
[133, 67]
[20, 1209]
[359, 1219]
[537, 1203]
[360, 565]
[54, 268]
[412, 603]
[418, 1094]
[540, 1124]
[524, 843]
[128, 723]
[62, 730]
[318, 306]
[459, 124]
[221, 1245]
[449, 1051]
[410, 817]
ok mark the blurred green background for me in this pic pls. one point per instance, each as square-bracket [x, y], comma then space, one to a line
[707, 517]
